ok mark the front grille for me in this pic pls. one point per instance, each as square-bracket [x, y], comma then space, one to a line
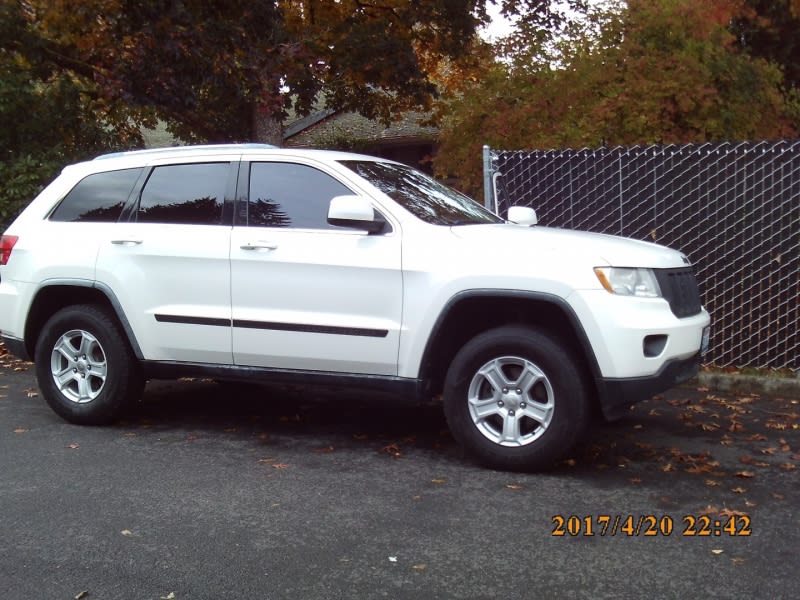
[679, 288]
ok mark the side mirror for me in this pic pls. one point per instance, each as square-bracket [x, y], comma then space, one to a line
[356, 212]
[522, 215]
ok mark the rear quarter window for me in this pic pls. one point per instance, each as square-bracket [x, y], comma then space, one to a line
[97, 198]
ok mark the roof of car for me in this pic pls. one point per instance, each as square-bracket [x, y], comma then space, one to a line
[139, 158]
[178, 150]
[199, 150]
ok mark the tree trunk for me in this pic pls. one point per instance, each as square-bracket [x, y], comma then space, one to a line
[267, 128]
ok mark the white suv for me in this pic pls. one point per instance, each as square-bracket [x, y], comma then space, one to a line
[256, 263]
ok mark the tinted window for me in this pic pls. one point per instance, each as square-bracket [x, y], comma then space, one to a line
[291, 195]
[97, 198]
[188, 194]
[425, 198]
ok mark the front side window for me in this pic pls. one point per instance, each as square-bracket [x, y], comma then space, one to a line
[291, 195]
[98, 198]
[191, 194]
[422, 196]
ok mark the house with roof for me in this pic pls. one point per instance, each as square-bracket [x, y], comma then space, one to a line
[409, 140]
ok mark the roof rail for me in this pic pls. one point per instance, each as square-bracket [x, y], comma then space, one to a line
[178, 149]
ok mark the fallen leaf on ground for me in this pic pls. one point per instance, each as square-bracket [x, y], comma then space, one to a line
[325, 450]
[126, 532]
[729, 512]
[699, 468]
[513, 486]
[745, 474]
[392, 449]
[712, 483]
[717, 551]
[170, 596]
[280, 466]
[81, 595]
[738, 490]
[735, 427]
[421, 567]
[439, 481]
[21, 430]
[73, 446]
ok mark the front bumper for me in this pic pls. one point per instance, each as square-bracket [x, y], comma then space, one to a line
[617, 395]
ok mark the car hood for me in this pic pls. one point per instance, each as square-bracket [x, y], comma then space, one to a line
[580, 245]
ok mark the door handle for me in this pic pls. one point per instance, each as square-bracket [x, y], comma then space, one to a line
[259, 246]
[126, 242]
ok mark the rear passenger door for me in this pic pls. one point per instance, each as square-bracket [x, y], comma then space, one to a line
[306, 294]
[169, 264]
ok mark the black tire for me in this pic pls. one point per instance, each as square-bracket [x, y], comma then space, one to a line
[530, 426]
[99, 379]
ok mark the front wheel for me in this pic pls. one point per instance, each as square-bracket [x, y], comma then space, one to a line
[85, 367]
[514, 397]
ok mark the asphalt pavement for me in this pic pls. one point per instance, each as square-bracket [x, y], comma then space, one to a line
[212, 492]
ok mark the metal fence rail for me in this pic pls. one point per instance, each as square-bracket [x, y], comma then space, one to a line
[734, 209]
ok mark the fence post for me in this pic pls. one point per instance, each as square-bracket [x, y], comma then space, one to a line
[488, 188]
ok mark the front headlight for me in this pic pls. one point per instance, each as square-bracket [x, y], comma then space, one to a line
[627, 281]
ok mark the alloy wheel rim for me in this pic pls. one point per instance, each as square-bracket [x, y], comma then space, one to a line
[78, 366]
[511, 401]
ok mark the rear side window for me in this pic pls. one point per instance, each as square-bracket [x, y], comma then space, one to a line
[191, 194]
[97, 198]
[291, 195]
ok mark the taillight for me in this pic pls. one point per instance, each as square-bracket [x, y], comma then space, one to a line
[6, 246]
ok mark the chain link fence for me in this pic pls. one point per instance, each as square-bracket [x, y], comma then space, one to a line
[733, 209]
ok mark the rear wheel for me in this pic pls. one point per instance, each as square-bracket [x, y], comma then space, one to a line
[85, 367]
[515, 399]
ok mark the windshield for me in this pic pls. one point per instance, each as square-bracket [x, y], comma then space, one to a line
[421, 195]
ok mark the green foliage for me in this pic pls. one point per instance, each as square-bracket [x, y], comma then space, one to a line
[769, 30]
[48, 116]
[665, 71]
[22, 179]
[217, 71]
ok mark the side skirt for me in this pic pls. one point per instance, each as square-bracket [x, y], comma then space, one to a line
[413, 389]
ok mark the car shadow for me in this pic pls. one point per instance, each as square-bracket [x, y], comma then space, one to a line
[304, 412]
